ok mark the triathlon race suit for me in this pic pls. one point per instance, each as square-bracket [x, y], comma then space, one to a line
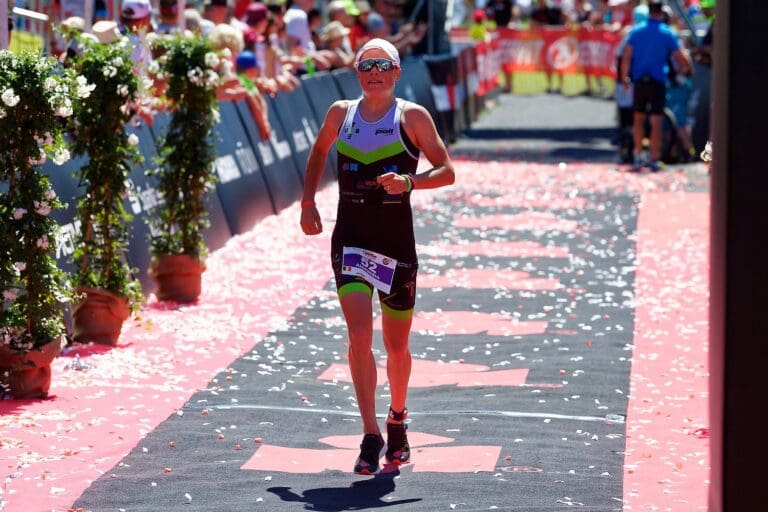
[373, 245]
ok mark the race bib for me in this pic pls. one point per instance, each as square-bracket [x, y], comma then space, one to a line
[377, 269]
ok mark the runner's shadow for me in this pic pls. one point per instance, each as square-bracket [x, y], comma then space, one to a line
[359, 495]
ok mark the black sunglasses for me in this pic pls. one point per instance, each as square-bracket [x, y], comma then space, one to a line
[381, 64]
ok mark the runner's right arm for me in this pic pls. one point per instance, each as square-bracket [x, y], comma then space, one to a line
[329, 131]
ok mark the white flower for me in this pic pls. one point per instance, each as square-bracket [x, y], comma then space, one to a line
[42, 208]
[50, 194]
[10, 294]
[2, 113]
[109, 71]
[126, 109]
[146, 82]
[20, 266]
[42, 242]
[50, 84]
[84, 89]
[18, 213]
[61, 156]
[10, 98]
[212, 78]
[117, 61]
[133, 139]
[63, 109]
[216, 115]
[153, 67]
[122, 90]
[195, 76]
[40, 160]
[211, 60]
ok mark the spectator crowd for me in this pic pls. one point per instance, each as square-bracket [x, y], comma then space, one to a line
[271, 42]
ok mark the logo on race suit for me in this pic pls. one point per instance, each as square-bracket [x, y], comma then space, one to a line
[563, 53]
[350, 166]
[390, 168]
[384, 131]
[351, 130]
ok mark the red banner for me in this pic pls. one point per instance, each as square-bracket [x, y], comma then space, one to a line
[555, 49]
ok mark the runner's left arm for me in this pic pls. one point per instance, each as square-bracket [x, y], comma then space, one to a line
[422, 131]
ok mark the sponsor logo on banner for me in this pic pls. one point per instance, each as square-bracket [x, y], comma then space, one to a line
[65, 238]
[281, 147]
[227, 169]
[142, 199]
[247, 160]
[265, 150]
[563, 53]
[300, 141]
[310, 129]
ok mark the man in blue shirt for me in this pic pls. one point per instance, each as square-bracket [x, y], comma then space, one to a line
[648, 50]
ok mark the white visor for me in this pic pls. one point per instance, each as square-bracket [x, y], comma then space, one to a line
[381, 44]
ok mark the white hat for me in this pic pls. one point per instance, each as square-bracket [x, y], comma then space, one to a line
[334, 29]
[136, 9]
[381, 44]
[105, 31]
[73, 23]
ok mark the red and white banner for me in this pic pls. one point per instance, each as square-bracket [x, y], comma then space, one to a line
[555, 49]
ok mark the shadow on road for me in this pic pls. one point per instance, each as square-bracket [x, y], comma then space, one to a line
[360, 495]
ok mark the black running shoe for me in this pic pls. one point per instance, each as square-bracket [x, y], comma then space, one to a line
[370, 451]
[398, 449]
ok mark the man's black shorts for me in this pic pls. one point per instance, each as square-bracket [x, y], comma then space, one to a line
[650, 96]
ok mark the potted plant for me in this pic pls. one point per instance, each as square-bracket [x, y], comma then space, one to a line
[106, 290]
[35, 93]
[191, 71]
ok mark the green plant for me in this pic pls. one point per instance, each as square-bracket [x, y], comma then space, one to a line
[35, 93]
[186, 158]
[99, 132]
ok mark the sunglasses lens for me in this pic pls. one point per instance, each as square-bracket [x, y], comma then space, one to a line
[381, 64]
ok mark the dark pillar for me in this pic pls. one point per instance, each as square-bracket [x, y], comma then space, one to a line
[739, 259]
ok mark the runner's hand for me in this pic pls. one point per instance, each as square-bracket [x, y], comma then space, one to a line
[310, 220]
[393, 183]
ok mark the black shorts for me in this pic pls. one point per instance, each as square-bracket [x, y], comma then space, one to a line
[650, 96]
[402, 295]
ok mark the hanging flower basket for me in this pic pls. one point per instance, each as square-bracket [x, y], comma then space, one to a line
[28, 375]
[178, 277]
[35, 94]
[99, 316]
[104, 278]
[186, 165]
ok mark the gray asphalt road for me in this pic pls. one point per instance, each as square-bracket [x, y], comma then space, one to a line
[543, 128]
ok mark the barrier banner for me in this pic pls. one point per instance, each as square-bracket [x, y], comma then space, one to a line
[144, 197]
[482, 64]
[274, 155]
[321, 91]
[494, 67]
[242, 186]
[447, 92]
[346, 80]
[552, 49]
[468, 59]
[299, 124]
[65, 185]
[414, 85]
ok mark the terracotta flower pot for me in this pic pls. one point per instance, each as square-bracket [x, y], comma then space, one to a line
[178, 277]
[99, 316]
[29, 374]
